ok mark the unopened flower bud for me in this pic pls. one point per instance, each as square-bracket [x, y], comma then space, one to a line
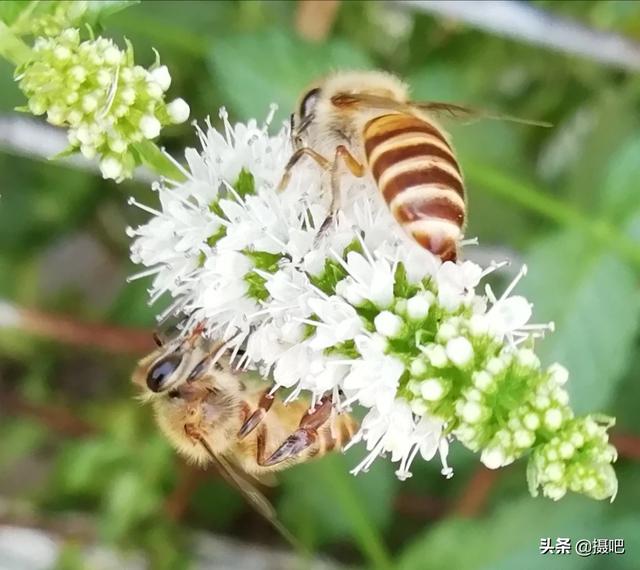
[459, 351]
[178, 111]
[388, 324]
[418, 306]
[493, 458]
[111, 167]
[432, 390]
[553, 418]
[150, 126]
[162, 77]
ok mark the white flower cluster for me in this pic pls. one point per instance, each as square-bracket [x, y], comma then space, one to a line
[360, 312]
[95, 89]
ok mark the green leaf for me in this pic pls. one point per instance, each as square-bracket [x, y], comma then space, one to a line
[493, 141]
[87, 466]
[98, 11]
[438, 82]
[10, 10]
[12, 48]
[509, 539]
[627, 399]
[620, 194]
[593, 298]
[40, 202]
[254, 70]
[335, 505]
[595, 230]
[614, 119]
[130, 499]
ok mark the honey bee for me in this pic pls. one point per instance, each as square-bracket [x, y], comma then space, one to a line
[212, 413]
[366, 122]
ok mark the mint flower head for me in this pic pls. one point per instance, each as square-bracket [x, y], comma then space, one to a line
[364, 314]
[108, 103]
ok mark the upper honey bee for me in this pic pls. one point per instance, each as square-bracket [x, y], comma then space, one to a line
[366, 122]
[213, 414]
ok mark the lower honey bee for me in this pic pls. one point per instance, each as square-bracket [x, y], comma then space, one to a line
[365, 121]
[212, 413]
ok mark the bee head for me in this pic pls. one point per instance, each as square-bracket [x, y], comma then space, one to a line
[319, 109]
[303, 116]
[177, 362]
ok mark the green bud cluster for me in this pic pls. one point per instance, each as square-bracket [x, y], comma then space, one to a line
[509, 401]
[577, 458]
[106, 101]
[50, 18]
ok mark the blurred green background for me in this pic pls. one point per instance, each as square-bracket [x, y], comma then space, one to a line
[564, 200]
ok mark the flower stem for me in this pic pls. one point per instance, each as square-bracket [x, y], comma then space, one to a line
[12, 48]
[533, 199]
[158, 161]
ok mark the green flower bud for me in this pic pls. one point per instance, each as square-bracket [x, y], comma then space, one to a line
[51, 18]
[578, 458]
[93, 88]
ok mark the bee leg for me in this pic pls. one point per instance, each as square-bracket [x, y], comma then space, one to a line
[261, 445]
[295, 157]
[257, 416]
[305, 435]
[342, 156]
[350, 161]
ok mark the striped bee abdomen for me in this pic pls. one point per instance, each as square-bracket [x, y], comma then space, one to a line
[335, 434]
[414, 168]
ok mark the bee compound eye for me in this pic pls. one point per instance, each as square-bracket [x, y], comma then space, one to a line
[161, 371]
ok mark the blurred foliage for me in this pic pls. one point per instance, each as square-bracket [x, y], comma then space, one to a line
[566, 199]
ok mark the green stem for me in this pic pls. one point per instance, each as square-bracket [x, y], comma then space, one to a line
[370, 542]
[12, 48]
[158, 161]
[533, 199]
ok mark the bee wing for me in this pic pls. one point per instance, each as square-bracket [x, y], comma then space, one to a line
[250, 493]
[434, 107]
[253, 495]
[464, 112]
[266, 479]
